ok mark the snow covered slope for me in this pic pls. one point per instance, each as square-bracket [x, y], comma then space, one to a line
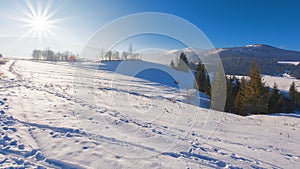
[159, 73]
[282, 82]
[57, 115]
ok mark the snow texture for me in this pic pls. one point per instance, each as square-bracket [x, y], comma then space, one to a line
[127, 122]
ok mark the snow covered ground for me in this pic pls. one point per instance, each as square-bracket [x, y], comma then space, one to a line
[283, 83]
[63, 115]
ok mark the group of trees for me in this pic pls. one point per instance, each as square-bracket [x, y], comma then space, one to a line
[50, 55]
[245, 96]
[116, 55]
[202, 80]
[239, 66]
[182, 63]
[252, 96]
[295, 71]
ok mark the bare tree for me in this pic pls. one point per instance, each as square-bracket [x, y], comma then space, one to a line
[130, 51]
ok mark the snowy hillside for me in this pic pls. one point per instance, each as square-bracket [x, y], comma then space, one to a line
[236, 59]
[258, 51]
[283, 83]
[67, 115]
[159, 73]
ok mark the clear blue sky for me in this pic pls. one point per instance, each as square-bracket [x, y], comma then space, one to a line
[225, 22]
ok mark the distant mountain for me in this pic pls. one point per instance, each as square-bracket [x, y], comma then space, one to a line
[257, 51]
[236, 60]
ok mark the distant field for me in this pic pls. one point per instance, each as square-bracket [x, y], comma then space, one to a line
[288, 62]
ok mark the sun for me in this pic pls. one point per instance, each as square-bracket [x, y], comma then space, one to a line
[40, 24]
[40, 20]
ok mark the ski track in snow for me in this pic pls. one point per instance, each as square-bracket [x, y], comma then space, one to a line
[45, 125]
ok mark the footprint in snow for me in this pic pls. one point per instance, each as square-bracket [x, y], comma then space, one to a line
[2, 112]
[85, 147]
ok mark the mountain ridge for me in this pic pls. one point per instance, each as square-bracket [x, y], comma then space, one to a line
[257, 51]
[236, 60]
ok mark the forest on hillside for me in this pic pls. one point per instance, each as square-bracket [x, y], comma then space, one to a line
[243, 96]
[240, 66]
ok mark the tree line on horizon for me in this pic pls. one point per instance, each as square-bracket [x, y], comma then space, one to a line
[50, 55]
[239, 66]
[110, 55]
[245, 96]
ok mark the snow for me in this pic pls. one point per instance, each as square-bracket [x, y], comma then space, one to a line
[72, 115]
[283, 83]
[252, 46]
[289, 62]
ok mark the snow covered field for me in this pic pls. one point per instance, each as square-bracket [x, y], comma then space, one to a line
[283, 83]
[59, 115]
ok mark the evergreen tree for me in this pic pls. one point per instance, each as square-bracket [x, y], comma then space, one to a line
[233, 86]
[275, 101]
[202, 79]
[240, 100]
[183, 63]
[294, 96]
[218, 88]
[207, 86]
[184, 58]
[172, 64]
[254, 96]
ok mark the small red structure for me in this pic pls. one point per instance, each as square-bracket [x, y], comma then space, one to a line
[71, 59]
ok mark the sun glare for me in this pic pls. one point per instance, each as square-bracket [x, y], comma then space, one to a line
[40, 24]
[39, 20]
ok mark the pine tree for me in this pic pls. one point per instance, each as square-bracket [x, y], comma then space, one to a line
[207, 86]
[218, 88]
[254, 96]
[233, 86]
[240, 100]
[172, 64]
[294, 95]
[202, 79]
[184, 58]
[288, 105]
[183, 63]
[275, 101]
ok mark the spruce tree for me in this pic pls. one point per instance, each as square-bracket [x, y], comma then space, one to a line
[294, 95]
[254, 96]
[240, 100]
[233, 86]
[207, 86]
[184, 58]
[200, 77]
[172, 64]
[218, 88]
[183, 63]
[275, 101]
